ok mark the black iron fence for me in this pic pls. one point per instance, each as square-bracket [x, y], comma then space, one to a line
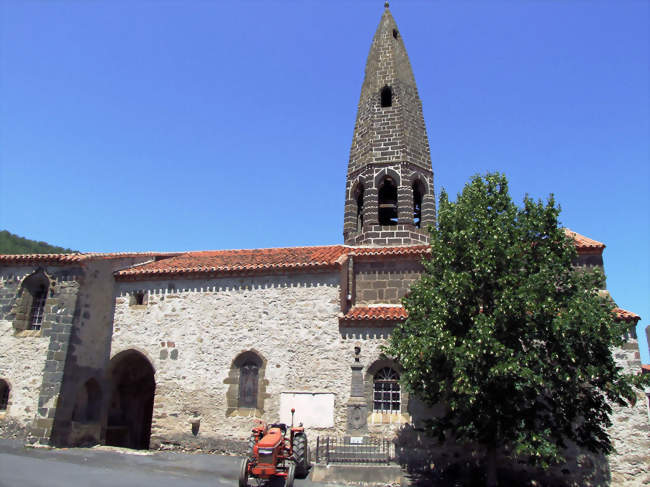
[354, 449]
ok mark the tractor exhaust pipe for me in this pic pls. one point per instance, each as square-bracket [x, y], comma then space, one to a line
[293, 410]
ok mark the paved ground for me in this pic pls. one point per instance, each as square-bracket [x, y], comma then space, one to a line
[100, 467]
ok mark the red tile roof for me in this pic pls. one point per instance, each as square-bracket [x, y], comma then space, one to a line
[240, 261]
[61, 259]
[582, 242]
[624, 315]
[413, 250]
[375, 313]
[388, 312]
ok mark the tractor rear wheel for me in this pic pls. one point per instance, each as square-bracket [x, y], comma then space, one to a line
[243, 473]
[301, 455]
[291, 474]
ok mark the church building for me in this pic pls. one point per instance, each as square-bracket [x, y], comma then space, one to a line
[184, 349]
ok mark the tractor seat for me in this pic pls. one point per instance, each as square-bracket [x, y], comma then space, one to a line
[271, 439]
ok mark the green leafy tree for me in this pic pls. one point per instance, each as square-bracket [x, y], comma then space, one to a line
[507, 334]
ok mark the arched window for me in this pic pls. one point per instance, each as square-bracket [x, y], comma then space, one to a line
[386, 96]
[386, 391]
[4, 394]
[358, 196]
[388, 202]
[31, 306]
[418, 194]
[248, 384]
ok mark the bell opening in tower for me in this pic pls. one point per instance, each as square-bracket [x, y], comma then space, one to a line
[358, 196]
[388, 202]
[386, 97]
[418, 193]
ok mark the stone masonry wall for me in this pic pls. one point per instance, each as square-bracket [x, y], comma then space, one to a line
[191, 331]
[384, 282]
[89, 349]
[630, 430]
[30, 360]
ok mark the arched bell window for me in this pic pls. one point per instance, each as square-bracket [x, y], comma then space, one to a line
[358, 196]
[418, 194]
[248, 384]
[386, 391]
[388, 202]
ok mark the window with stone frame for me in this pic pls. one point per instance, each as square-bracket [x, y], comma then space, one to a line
[386, 391]
[38, 308]
[4, 394]
[248, 384]
[32, 299]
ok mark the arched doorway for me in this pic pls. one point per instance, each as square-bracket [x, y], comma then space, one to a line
[131, 407]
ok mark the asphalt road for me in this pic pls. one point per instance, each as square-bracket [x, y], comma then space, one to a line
[99, 467]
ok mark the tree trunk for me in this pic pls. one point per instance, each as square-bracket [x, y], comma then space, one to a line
[491, 459]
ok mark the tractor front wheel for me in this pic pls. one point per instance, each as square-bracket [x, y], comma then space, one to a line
[301, 455]
[243, 473]
[291, 474]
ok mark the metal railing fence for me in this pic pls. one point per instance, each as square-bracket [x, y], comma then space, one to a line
[350, 449]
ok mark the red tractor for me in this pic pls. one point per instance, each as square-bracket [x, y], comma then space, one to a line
[272, 454]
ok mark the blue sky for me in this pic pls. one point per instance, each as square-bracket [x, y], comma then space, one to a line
[192, 125]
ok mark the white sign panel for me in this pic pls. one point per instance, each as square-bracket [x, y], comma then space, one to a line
[313, 409]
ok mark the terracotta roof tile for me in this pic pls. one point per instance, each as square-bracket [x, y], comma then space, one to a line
[61, 259]
[624, 315]
[582, 242]
[239, 261]
[416, 250]
[374, 313]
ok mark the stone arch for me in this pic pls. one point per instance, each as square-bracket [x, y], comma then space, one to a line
[32, 298]
[88, 402]
[387, 172]
[247, 386]
[132, 388]
[5, 392]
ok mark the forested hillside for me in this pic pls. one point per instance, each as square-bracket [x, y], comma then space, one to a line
[13, 244]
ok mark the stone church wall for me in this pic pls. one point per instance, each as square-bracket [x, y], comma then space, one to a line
[193, 330]
[384, 281]
[88, 353]
[31, 361]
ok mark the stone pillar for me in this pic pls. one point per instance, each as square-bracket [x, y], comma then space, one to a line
[357, 405]
[405, 205]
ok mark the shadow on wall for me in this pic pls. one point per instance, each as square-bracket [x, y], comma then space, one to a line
[452, 464]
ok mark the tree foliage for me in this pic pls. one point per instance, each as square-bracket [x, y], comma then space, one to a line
[13, 244]
[507, 333]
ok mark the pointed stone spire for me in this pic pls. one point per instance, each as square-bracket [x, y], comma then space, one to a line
[389, 190]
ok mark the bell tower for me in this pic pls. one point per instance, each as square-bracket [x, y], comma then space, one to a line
[389, 198]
